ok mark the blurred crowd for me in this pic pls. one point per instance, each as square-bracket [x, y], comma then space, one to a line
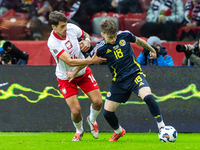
[170, 20]
[163, 20]
[79, 12]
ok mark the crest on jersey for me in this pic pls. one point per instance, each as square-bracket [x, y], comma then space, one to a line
[64, 91]
[55, 51]
[108, 94]
[122, 42]
[69, 45]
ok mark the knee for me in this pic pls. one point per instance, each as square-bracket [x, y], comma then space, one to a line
[98, 103]
[108, 114]
[76, 111]
[148, 98]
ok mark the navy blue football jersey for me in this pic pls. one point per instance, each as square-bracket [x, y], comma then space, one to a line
[121, 59]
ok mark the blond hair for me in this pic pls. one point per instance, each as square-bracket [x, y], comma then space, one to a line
[108, 26]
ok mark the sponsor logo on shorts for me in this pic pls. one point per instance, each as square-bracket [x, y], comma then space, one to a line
[64, 91]
[108, 94]
[95, 84]
[141, 83]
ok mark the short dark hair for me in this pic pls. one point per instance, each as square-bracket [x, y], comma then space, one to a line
[55, 17]
[108, 26]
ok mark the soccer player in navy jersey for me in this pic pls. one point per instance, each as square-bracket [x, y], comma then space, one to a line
[126, 72]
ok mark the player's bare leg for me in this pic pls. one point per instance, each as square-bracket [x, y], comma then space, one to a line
[76, 116]
[95, 109]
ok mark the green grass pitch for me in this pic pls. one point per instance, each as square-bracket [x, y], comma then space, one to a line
[62, 141]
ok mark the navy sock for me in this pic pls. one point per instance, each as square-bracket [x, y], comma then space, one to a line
[153, 107]
[111, 119]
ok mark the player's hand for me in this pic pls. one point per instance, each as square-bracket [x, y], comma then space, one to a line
[153, 55]
[97, 60]
[70, 75]
[84, 45]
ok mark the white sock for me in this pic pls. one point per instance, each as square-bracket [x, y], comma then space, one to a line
[160, 124]
[119, 130]
[79, 126]
[93, 114]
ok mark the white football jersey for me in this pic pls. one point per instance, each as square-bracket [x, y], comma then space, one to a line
[69, 44]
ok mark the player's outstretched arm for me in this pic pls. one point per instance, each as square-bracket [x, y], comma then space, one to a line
[145, 45]
[71, 74]
[79, 62]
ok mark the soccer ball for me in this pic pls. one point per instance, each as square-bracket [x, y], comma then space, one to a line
[167, 134]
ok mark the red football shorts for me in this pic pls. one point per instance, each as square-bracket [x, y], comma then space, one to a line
[86, 82]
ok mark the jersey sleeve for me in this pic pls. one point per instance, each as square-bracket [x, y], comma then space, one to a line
[99, 46]
[93, 51]
[130, 37]
[55, 48]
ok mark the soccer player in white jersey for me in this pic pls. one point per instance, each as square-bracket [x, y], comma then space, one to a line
[64, 46]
